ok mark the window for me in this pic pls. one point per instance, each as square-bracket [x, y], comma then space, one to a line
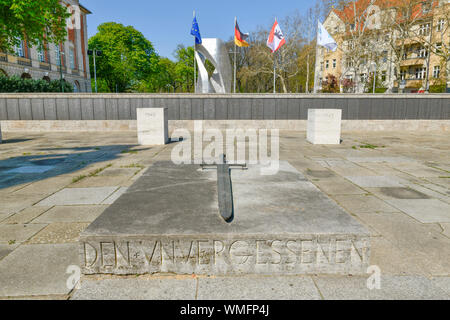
[41, 53]
[321, 66]
[424, 29]
[383, 76]
[423, 52]
[440, 25]
[349, 63]
[436, 71]
[334, 63]
[352, 27]
[58, 55]
[72, 58]
[336, 29]
[420, 73]
[403, 74]
[385, 56]
[439, 47]
[327, 64]
[351, 45]
[19, 51]
[363, 77]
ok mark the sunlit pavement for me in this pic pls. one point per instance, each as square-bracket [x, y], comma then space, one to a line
[53, 185]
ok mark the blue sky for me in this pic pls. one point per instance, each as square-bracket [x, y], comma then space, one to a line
[167, 23]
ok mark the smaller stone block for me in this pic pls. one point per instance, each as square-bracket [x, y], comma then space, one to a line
[0, 133]
[324, 126]
[153, 126]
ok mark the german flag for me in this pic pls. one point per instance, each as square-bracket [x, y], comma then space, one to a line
[239, 37]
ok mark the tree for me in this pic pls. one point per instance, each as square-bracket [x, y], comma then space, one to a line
[184, 68]
[128, 58]
[259, 69]
[33, 21]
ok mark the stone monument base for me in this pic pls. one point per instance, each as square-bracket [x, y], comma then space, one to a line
[324, 126]
[152, 126]
[169, 222]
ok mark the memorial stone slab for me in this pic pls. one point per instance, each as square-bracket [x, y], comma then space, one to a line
[324, 126]
[169, 221]
[153, 126]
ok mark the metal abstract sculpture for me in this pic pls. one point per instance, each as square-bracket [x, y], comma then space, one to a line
[214, 50]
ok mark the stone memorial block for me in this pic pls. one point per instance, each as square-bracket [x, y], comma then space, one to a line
[153, 126]
[324, 126]
[191, 219]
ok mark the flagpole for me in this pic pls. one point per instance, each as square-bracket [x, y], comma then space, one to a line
[235, 50]
[274, 69]
[317, 60]
[195, 65]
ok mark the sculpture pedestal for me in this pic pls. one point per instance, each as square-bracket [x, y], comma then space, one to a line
[324, 126]
[153, 126]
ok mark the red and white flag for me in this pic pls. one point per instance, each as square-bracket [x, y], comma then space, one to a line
[276, 38]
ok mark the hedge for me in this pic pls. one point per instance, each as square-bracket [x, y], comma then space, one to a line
[16, 84]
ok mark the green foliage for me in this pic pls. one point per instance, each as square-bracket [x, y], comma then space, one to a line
[128, 61]
[330, 85]
[16, 84]
[441, 88]
[30, 20]
[184, 69]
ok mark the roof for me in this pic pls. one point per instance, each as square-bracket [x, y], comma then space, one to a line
[347, 14]
[84, 9]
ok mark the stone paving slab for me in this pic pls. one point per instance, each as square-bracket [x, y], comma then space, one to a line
[338, 186]
[37, 270]
[424, 210]
[78, 196]
[71, 214]
[18, 233]
[443, 283]
[6, 249]
[26, 216]
[392, 288]
[116, 195]
[363, 203]
[137, 289]
[375, 181]
[257, 288]
[380, 159]
[60, 232]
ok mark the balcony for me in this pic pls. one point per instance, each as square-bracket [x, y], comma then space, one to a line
[44, 65]
[24, 61]
[413, 61]
[3, 57]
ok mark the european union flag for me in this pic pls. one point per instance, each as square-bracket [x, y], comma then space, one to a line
[195, 31]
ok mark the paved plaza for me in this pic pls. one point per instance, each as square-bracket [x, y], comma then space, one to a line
[54, 185]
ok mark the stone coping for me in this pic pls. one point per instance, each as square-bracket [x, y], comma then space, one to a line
[217, 96]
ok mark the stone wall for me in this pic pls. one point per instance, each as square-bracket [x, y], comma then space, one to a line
[222, 107]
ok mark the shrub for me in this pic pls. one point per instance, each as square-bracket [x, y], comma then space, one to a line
[16, 84]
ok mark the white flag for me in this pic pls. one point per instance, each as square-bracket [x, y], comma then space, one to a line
[325, 40]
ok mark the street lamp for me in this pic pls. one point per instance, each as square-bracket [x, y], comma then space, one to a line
[60, 53]
[374, 70]
[95, 53]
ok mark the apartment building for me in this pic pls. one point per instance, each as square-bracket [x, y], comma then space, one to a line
[370, 42]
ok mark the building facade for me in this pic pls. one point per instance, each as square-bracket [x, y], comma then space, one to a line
[46, 61]
[370, 43]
